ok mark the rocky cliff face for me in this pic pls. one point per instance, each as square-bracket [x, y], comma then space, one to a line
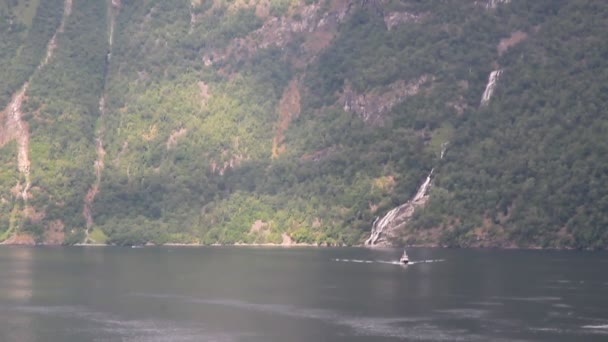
[372, 106]
[156, 121]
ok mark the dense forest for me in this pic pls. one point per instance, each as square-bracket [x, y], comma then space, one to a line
[302, 121]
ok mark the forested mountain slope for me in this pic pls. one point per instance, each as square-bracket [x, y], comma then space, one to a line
[286, 121]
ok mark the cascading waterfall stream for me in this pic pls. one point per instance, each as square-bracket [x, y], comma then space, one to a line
[402, 213]
[444, 148]
[492, 81]
[383, 228]
[492, 4]
[98, 165]
[406, 210]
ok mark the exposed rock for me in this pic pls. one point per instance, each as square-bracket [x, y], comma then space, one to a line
[287, 241]
[22, 239]
[505, 43]
[393, 19]
[257, 226]
[14, 127]
[289, 107]
[172, 141]
[491, 4]
[230, 163]
[459, 104]
[372, 106]
[260, 228]
[281, 31]
[318, 155]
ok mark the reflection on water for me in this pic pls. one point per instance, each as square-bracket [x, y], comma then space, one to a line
[265, 294]
[16, 285]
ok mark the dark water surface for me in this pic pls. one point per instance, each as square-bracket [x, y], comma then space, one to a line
[300, 294]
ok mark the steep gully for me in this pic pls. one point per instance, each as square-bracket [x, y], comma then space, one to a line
[15, 128]
[386, 228]
[98, 165]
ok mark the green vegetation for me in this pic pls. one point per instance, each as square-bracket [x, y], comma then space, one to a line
[62, 110]
[193, 104]
[97, 236]
[23, 41]
[533, 163]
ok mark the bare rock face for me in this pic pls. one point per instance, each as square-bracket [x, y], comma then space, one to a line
[372, 106]
[175, 135]
[491, 4]
[289, 107]
[319, 154]
[309, 19]
[515, 38]
[20, 239]
[228, 161]
[394, 19]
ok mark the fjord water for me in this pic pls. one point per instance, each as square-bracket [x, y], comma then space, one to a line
[300, 294]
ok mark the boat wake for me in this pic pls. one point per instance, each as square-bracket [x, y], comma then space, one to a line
[396, 262]
[600, 326]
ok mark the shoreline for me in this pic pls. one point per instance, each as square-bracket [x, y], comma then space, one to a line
[303, 245]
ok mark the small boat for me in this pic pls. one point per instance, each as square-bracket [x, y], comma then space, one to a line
[404, 258]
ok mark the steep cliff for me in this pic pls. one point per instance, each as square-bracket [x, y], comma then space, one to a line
[304, 121]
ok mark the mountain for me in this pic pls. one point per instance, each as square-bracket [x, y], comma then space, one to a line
[453, 123]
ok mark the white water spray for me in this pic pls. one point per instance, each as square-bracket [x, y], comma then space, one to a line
[492, 81]
[492, 4]
[444, 148]
[388, 262]
[403, 212]
[385, 227]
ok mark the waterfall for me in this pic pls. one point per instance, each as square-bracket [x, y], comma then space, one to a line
[402, 213]
[384, 228]
[444, 147]
[424, 187]
[491, 4]
[98, 165]
[492, 80]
